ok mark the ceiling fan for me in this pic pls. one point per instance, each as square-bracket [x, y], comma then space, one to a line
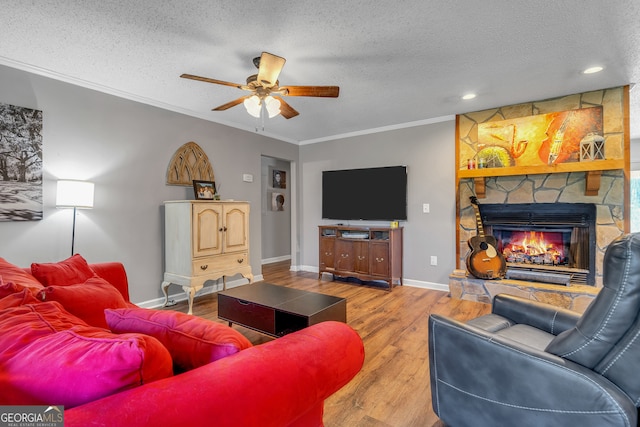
[265, 85]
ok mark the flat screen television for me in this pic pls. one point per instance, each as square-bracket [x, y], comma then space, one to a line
[365, 194]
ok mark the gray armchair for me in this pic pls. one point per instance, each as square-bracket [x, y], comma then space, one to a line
[532, 364]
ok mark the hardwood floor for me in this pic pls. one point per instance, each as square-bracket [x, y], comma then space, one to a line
[392, 389]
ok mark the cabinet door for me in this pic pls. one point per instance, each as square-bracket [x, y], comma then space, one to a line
[361, 255]
[344, 259]
[379, 258]
[206, 225]
[326, 252]
[236, 227]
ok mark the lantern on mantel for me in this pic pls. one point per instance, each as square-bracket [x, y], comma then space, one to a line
[592, 147]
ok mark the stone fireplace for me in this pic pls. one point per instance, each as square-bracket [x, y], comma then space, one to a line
[521, 181]
[514, 195]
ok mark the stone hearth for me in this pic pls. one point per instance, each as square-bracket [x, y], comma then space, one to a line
[466, 287]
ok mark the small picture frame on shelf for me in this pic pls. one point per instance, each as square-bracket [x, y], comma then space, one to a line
[204, 190]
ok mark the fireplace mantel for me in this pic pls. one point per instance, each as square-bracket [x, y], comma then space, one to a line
[593, 171]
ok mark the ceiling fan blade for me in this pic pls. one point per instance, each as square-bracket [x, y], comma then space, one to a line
[208, 80]
[323, 91]
[286, 110]
[231, 103]
[270, 67]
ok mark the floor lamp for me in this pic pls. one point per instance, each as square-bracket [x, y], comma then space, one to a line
[76, 195]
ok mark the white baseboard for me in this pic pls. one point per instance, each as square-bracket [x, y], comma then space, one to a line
[406, 282]
[309, 268]
[276, 259]
[181, 296]
[425, 285]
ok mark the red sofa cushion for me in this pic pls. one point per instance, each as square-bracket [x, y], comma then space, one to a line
[10, 288]
[48, 356]
[14, 274]
[114, 273]
[191, 340]
[16, 299]
[86, 300]
[68, 272]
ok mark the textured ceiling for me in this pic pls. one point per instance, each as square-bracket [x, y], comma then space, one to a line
[397, 63]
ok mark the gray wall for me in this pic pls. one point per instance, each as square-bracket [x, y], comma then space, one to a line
[429, 152]
[124, 147]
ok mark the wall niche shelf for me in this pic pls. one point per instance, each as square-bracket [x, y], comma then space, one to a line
[592, 169]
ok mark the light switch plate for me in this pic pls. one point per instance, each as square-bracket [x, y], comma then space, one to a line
[247, 177]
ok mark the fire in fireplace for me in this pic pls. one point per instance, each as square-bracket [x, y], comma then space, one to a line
[552, 239]
[535, 247]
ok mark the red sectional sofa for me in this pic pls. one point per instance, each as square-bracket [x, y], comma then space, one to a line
[70, 336]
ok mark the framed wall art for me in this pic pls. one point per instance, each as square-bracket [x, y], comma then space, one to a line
[279, 178]
[20, 163]
[277, 202]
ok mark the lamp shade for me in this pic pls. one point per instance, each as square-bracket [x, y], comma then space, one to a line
[252, 104]
[74, 194]
[273, 106]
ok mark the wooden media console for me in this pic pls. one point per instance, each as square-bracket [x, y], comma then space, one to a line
[365, 253]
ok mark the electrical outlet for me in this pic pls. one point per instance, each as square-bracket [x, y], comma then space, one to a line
[247, 177]
[434, 260]
[425, 208]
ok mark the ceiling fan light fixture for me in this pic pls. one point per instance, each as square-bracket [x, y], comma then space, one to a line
[265, 83]
[273, 106]
[252, 104]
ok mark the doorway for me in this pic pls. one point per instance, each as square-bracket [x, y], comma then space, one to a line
[277, 209]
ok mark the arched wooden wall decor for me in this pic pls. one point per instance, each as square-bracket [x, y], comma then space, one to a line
[188, 163]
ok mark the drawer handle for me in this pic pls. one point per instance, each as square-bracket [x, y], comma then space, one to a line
[344, 255]
[360, 257]
[328, 253]
[240, 260]
[243, 302]
[204, 267]
[379, 259]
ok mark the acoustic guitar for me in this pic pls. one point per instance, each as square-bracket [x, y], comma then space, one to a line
[484, 261]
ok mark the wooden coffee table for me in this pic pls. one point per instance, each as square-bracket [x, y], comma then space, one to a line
[278, 310]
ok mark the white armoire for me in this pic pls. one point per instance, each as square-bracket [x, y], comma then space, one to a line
[204, 240]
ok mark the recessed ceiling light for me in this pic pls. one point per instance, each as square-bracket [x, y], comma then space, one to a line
[468, 96]
[592, 70]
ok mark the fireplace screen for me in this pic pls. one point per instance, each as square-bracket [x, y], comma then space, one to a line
[545, 237]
